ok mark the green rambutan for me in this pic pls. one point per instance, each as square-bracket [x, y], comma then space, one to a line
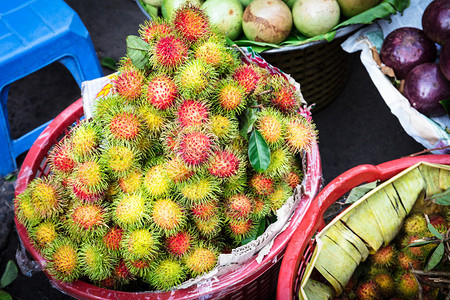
[44, 233]
[386, 284]
[153, 30]
[261, 207]
[238, 230]
[279, 196]
[234, 186]
[194, 146]
[161, 91]
[209, 228]
[415, 224]
[154, 119]
[215, 53]
[129, 83]
[167, 215]
[132, 182]
[239, 207]
[91, 175]
[113, 238]
[25, 210]
[205, 210]
[230, 97]
[141, 243]
[385, 256]
[123, 125]
[407, 286]
[247, 76]
[226, 128]
[195, 78]
[166, 273]
[280, 163]
[191, 23]
[270, 124]
[177, 170]
[95, 261]
[104, 105]
[60, 158]
[226, 164]
[300, 134]
[179, 244]
[192, 113]
[119, 160]
[86, 220]
[157, 182]
[63, 260]
[201, 259]
[198, 189]
[368, 290]
[46, 196]
[168, 53]
[84, 139]
[261, 184]
[284, 96]
[130, 210]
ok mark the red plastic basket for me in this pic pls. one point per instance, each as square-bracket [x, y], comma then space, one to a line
[252, 281]
[301, 246]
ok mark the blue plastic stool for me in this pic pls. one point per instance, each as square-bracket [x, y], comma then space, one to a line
[34, 34]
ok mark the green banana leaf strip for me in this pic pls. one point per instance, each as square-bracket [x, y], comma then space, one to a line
[317, 290]
[393, 197]
[258, 151]
[359, 191]
[442, 198]
[412, 184]
[432, 178]
[436, 257]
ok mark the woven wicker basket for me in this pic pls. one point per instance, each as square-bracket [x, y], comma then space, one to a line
[320, 67]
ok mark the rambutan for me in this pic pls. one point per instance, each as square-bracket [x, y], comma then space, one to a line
[191, 23]
[195, 78]
[46, 196]
[177, 170]
[161, 91]
[195, 146]
[280, 163]
[234, 186]
[205, 210]
[132, 182]
[43, 234]
[385, 256]
[140, 243]
[166, 273]
[226, 163]
[293, 178]
[284, 96]
[25, 210]
[153, 119]
[226, 128]
[157, 182]
[169, 138]
[83, 193]
[214, 53]
[120, 159]
[240, 229]
[179, 244]
[130, 210]
[261, 207]
[247, 76]
[113, 238]
[261, 184]
[168, 53]
[121, 274]
[405, 259]
[209, 228]
[386, 284]
[368, 291]
[60, 158]
[230, 96]
[86, 220]
[63, 261]
[407, 286]
[192, 113]
[279, 196]
[167, 215]
[95, 261]
[123, 125]
[239, 207]
[139, 267]
[198, 189]
[300, 134]
[439, 222]
[270, 124]
[153, 30]
[84, 139]
[201, 259]
[415, 224]
[417, 252]
[128, 83]
[91, 175]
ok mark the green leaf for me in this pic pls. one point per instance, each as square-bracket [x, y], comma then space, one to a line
[137, 51]
[417, 244]
[109, 62]
[442, 198]
[10, 177]
[5, 296]
[258, 151]
[9, 275]
[446, 104]
[150, 9]
[436, 257]
[246, 120]
[434, 231]
[359, 191]
[256, 233]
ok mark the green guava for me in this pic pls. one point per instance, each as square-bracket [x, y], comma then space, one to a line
[350, 8]
[169, 6]
[226, 15]
[315, 17]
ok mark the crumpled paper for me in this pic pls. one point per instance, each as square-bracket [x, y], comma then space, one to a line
[432, 133]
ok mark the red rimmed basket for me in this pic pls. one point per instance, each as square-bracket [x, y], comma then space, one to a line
[301, 246]
[252, 280]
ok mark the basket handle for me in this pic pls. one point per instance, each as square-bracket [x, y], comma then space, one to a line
[313, 218]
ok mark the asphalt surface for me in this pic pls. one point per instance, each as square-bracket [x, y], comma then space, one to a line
[356, 128]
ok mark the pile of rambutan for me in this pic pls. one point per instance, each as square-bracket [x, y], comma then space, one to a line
[158, 182]
[390, 273]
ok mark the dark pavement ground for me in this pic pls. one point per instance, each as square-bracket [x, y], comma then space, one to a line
[356, 128]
